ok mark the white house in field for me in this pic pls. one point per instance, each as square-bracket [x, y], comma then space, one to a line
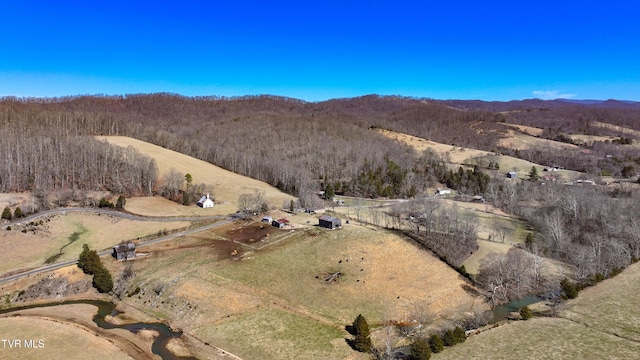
[205, 202]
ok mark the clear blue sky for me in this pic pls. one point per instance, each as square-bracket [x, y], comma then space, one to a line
[489, 50]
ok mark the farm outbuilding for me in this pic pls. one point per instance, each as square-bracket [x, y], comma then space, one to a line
[329, 222]
[205, 202]
[512, 174]
[280, 223]
[267, 219]
[124, 251]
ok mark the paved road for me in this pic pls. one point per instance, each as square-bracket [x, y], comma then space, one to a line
[118, 214]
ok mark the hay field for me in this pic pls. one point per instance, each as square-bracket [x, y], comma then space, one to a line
[69, 232]
[227, 186]
[522, 141]
[542, 338]
[622, 130]
[271, 302]
[603, 322]
[529, 130]
[61, 341]
[610, 306]
[466, 156]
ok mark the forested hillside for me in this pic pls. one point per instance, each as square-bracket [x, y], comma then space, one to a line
[295, 145]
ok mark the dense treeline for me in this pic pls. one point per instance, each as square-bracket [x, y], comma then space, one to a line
[47, 151]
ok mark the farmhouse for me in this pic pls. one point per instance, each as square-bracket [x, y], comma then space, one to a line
[205, 202]
[329, 222]
[124, 251]
[280, 223]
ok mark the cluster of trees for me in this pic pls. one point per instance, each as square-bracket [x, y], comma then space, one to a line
[445, 230]
[90, 263]
[49, 151]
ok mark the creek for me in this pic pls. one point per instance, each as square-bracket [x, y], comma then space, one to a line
[159, 346]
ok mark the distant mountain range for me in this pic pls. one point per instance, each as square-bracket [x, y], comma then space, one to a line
[538, 103]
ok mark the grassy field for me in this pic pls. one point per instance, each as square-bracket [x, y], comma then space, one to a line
[62, 236]
[602, 323]
[274, 303]
[465, 156]
[227, 186]
[542, 338]
[61, 340]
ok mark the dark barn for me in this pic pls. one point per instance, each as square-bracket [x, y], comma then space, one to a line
[329, 222]
[125, 251]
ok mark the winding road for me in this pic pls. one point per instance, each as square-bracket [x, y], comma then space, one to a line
[224, 220]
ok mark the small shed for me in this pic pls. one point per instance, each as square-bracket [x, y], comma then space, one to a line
[280, 223]
[124, 251]
[267, 219]
[329, 222]
[512, 174]
[205, 202]
[443, 191]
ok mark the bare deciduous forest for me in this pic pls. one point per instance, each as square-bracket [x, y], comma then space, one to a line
[303, 147]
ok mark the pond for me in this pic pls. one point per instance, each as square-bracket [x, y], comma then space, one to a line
[501, 312]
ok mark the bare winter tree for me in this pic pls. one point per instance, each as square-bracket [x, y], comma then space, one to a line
[173, 181]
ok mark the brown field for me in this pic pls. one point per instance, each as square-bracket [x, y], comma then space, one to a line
[622, 130]
[529, 130]
[227, 186]
[256, 305]
[66, 331]
[522, 141]
[71, 231]
[461, 156]
[602, 323]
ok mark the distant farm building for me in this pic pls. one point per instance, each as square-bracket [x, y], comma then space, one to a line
[443, 191]
[205, 202]
[267, 219]
[512, 174]
[124, 251]
[478, 198]
[329, 222]
[280, 223]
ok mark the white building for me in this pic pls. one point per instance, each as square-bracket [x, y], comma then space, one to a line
[205, 202]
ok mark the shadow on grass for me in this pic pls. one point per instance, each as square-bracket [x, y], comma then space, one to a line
[72, 238]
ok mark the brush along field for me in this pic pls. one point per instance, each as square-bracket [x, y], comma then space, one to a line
[466, 156]
[602, 323]
[60, 237]
[227, 186]
[267, 297]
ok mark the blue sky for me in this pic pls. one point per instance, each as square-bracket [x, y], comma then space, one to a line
[488, 50]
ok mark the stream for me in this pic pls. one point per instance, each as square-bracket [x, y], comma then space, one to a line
[159, 346]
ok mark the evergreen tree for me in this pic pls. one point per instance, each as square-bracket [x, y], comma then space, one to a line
[362, 341]
[420, 350]
[459, 334]
[6, 213]
[291, 206]
[89, 261]
[533, 174]
[570, 290]
[121, 202]
[17, 213]
[526, 313]
[436, 343]
[102, 279]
